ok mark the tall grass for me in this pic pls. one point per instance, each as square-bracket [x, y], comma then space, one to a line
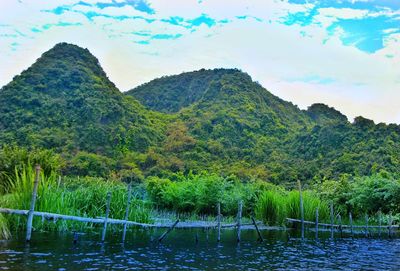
[274, 206]
[4, 228]
[72, 196]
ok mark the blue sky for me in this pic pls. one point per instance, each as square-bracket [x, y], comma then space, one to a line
[344, 53]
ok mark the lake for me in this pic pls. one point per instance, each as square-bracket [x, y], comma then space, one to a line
[179, 251]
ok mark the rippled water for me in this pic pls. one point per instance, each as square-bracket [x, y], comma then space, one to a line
[180, 251]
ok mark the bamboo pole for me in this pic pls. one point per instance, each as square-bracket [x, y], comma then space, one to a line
[219, 222]
[331, 207]
[366, 225]
[33, 201]
[351, 224]
[183, 225]
[239, 222]
[328, 225]
[168, 231]
[316, 223]
[301, 209]
[390, 225]
[75, 237]
[108, 200]
[128, 204]
[380, 222]
[340, 226]
[260, 238]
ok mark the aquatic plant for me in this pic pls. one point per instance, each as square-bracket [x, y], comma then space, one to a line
[274, 206]
[4, 228]
[271, 208]
[70, 196]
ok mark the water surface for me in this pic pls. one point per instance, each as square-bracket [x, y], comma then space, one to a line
[179, 251]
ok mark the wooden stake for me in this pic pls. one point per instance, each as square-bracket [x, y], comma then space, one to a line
[219, 222]
[168, 231]
[301, 210]
[316, 223]
[128, 204]
[366, 225]
[239, 222]
[33, 201]
[390, 225]
[351, 224]
[331, 220]
[380, 222]
[258, 231]
[75, 237]
[108, 200]
[340, 226]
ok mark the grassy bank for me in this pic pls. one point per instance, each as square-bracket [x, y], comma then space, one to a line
[70, 196]
[192, 197]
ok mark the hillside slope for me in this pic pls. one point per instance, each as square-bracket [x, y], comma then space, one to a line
[234, 125]
[65, 101]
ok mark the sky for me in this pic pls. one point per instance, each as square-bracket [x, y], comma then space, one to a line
[343, 53]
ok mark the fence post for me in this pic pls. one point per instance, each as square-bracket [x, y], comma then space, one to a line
[33, 201]
[366, 225]
[128, 204]
[316, 223]
[301, 209]
[351, 224]
[340, 226]
[168, 231]
[260, 238]
[390, 225]
[380, 222]
[103, 236]
[331, 219]
[219, 222]
[239, 222]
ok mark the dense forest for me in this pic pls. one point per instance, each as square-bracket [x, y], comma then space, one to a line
[219, 121]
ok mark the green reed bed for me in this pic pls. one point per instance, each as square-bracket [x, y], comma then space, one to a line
[274, 206]
[84, 197]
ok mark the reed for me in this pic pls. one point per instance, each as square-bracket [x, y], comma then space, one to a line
[4, 228]
[73, 196]
[273, 207]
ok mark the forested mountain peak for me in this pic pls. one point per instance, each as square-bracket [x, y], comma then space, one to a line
[170, 94]
[66, 68]
[323, 114]
[65, 100]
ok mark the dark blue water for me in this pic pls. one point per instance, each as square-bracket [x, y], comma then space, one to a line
[179, 251]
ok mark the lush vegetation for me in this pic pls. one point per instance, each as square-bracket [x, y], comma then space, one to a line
[191, 140]
[84, 197]
[201, 193]
[275, 206]
[215, 120]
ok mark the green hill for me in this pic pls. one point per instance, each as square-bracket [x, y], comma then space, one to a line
[215, 120]
[65, 102]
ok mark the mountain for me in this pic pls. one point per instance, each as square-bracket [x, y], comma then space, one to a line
[65, 101]
[323, 114]
[237, 126]
[215, 120]
[169, 94]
